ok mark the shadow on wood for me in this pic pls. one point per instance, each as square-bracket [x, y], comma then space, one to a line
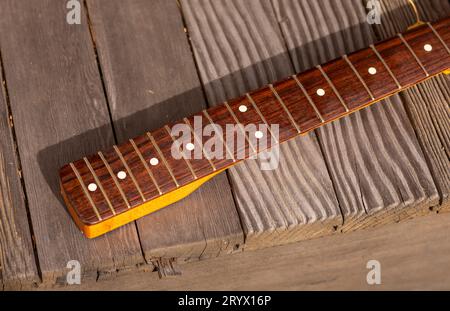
[149, 119]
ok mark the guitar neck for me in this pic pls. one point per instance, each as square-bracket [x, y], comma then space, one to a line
[115, 181]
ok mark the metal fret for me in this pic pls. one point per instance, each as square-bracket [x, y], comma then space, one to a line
[97, 181]
[205, 113]
[386, 66]
[80, 181]
[141, 157]
[311, 102]
[163, 158]
[108, 167]
[345, 57]
[201, 144]
[184, 157]
[240, 126]
[324, 74]
[439, 37]
[99, 185]
[129, 172]
[249, 97]
[413, 53]
[285, 108]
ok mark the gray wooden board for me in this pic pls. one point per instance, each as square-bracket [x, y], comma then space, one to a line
[17, 261]
[414, 255]
[238, 48]
[151, 80]
[60, 114]
[427, 104]
[428, 107]
[377, 166]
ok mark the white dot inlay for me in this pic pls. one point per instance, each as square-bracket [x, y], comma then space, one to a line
[190, 146]
[373, 70]
[154, 161]
[321, 92]
[242, 108]
[92, 187]
[428, 47]
[259, 134]
[121, 175]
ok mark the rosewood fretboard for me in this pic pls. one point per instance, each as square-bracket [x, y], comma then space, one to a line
[111, 182]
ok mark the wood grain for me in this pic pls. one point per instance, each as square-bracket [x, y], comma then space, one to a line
[144, 42]
[56, 96]
[343, 93]
[427, 104]
[409, 261]
[17, 261]
[375, 161]
[238, 48]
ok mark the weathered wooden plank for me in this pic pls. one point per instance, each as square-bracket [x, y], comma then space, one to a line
[238, 47]
[17, 260]
[408, 258]
[60, 114]
[427, 104]
[375, 161]
[151, 80]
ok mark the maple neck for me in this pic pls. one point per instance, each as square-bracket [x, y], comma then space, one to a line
[111, 182]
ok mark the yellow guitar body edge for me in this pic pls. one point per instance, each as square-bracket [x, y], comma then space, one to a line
[93, 231]
[447, 72]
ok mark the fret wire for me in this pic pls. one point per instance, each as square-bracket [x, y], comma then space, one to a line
[241, 127]
[205, 113]
[141, 157]
[184, 157]
[200, 143]
[99, 185]
[386, 66]
[311, 102]
[129, 172]
[414, 54]
[249, 97]
[291, 118]
[163, 158]
[324, 74]
[80, 181]
[345, 57]
[439, 37]
[108, 167]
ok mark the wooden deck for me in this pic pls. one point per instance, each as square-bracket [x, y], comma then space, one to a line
[132, 66]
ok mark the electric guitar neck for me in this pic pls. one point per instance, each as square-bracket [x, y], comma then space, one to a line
[116, 186]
